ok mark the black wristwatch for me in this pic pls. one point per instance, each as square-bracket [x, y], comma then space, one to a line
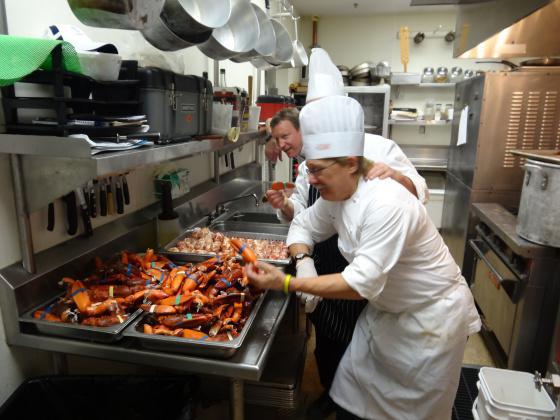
[299, 256]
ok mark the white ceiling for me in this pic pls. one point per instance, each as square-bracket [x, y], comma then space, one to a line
[364, 7]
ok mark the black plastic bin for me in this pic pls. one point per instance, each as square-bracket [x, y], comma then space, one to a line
[102, 397]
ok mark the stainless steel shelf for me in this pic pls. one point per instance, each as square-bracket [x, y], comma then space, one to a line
[426, 85]
[419, 123]
[427, 157]
[69, 161]
[437, 165]
[113, 162]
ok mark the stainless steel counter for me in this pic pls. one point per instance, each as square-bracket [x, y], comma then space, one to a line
[20, 291]
[247, 363]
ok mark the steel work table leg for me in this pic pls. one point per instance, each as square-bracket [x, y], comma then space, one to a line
[60, 363]
[236, 400]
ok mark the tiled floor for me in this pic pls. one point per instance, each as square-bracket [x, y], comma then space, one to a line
[476, 353]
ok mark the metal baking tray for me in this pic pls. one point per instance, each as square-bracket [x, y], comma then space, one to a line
[77, 331]
[183, 257]
[215, 349]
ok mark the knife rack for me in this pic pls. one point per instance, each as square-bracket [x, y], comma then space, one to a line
[74, 97]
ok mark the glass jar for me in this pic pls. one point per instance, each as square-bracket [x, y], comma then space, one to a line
[437, 113]
[449, 111]
[441, 75]
[429, 111]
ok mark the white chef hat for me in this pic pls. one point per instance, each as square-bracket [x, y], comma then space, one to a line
[324, 78]
[332, 127]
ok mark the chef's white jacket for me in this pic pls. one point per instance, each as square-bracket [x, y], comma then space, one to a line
[405, 356]
[376, 149]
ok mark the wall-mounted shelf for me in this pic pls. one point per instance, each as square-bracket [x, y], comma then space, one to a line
[69, 161]
[47, 167]
[427, 157]
[419, 123]
[425, 85]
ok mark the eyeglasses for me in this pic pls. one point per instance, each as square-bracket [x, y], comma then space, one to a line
[317, 171]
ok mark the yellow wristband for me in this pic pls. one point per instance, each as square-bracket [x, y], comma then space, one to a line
[287, 279]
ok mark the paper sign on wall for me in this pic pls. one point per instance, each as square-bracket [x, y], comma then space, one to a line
[462, 137]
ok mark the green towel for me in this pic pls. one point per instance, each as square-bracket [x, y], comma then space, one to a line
[20, 56]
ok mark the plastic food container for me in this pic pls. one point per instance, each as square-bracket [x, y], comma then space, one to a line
[100, 66]
[509, 394]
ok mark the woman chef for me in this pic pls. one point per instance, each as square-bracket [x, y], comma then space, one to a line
[405, 356]
[333, 319]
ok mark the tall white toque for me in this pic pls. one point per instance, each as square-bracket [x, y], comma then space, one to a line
[324, 78]
[332, 127]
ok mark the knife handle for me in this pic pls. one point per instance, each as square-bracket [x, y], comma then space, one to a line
[103, 199]
[82, 202]
[92, 202]
[88, 228]
[125, 190]
[50, 217]
[110, 202]
[71, 213]
[119, 196]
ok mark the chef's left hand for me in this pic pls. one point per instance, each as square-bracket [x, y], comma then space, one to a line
[265, 276]
[272, 151]
[381, 170]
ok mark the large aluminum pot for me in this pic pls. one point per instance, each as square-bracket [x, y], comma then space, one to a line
[189, 17]
[239, 35]
[117, 14]
[284, 48]
[538, 219]
[184, 23]
[162, 37]
[267, 38]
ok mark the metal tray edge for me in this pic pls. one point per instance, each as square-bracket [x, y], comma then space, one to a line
[84, 332]
[199, 257]
[194, 347]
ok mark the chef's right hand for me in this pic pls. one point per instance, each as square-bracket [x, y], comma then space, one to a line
[265, 276]
[277, 199]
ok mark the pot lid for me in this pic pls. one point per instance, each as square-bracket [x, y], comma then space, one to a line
[361, 68]
[548, 156]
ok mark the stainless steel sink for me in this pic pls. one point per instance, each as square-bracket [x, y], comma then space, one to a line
[250, 227]
[254, 217]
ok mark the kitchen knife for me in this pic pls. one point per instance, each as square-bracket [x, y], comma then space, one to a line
[102, 198]
[87, 195]
[71, 212]
[110, 202]
[88, 229]
[50, 217]
[119, 195]
[126, 193]
[92, 198]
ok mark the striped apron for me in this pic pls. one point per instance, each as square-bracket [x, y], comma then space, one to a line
[334, 319]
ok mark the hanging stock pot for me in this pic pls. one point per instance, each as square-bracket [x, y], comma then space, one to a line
[184, 23]
[117, 14]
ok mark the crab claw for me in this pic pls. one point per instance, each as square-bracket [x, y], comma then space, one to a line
[242, 249]
[280, 186]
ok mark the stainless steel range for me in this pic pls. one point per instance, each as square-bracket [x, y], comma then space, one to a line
[502, 111]
[516, 285]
